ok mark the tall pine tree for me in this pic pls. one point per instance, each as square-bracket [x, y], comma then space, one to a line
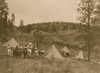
[3, 18]
[86, 10]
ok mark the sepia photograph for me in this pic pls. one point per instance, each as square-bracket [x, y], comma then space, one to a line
[49, 36]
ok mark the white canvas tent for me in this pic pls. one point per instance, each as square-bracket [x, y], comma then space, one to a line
[53, 53]
[65, 49]
[11, 43]
[80, 55]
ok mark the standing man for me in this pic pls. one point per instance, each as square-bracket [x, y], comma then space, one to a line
[9, 51]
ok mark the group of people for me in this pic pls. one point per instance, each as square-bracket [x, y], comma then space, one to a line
[24, 51]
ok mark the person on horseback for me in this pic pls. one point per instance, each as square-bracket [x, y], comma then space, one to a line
[29, 50]
[20, 50]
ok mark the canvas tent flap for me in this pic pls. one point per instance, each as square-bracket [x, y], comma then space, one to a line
[11, 43]
[53, 53]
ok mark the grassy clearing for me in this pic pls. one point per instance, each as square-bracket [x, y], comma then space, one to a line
[19, 65]
[42, 65]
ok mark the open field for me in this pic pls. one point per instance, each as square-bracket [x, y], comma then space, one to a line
[42, 65]
[16, 65]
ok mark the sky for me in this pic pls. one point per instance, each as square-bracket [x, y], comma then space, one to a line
[37, 11]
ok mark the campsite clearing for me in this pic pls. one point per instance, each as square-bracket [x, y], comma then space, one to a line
[19, 65]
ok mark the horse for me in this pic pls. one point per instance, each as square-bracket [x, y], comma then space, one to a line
[15, 53]
[41, 52]
[18, 52]
[25, 51]
[37, 52]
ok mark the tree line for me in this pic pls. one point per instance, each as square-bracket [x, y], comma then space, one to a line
[53, 26]
[6, 24]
